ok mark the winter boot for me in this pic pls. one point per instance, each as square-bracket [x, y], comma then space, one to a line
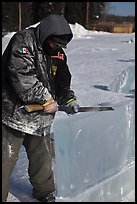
[47, 197]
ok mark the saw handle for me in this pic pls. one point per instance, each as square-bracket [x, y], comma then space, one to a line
[33, 107]
[36, 107]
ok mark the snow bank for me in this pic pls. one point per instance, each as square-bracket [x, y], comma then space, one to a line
[79, 31]
[6, 39]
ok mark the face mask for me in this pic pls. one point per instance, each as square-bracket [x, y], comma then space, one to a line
[48, 50]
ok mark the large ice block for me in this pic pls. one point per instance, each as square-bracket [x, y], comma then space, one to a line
[124, 81]
[92, 149]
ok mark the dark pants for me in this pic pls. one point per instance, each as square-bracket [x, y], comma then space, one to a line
[39, 152]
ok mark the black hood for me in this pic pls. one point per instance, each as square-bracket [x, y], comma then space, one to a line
[53, 25]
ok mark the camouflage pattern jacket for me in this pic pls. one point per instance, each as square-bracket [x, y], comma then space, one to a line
[30, 77]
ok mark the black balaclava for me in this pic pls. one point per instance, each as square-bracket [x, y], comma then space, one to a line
[53, 25]
[61, 40]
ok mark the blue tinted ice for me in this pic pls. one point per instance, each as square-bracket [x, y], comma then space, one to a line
[92, 148]
[124, 81]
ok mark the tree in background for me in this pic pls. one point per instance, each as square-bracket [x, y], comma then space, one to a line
[75, 12]
[10, 15]
[83, 13]
[38, 10]
[33, 12]
[23, 14]
[94, 12]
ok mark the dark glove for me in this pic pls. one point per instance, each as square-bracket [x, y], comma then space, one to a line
[65, 96]
[72, 106]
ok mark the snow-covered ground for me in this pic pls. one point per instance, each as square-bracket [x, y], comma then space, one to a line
[95, 59]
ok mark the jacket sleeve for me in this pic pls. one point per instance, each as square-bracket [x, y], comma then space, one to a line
[63, 83]
[22, 71]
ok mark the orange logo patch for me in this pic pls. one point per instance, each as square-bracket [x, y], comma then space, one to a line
[59, 56]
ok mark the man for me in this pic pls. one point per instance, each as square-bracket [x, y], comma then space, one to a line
[35, 71]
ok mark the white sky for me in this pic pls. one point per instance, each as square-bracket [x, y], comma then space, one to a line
[95, 59]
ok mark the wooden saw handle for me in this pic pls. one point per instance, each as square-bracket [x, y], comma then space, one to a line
[36, 107]
[33, 107]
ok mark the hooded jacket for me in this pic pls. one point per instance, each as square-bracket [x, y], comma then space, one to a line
[30, 77]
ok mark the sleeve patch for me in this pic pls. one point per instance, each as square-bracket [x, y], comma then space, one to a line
[24, 50]
[59, 56]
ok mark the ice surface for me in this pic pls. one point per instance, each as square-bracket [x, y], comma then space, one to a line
[95, 60]
[92, 147]
[124, 81]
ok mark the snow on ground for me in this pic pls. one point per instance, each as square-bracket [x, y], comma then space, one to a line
[95, 60]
